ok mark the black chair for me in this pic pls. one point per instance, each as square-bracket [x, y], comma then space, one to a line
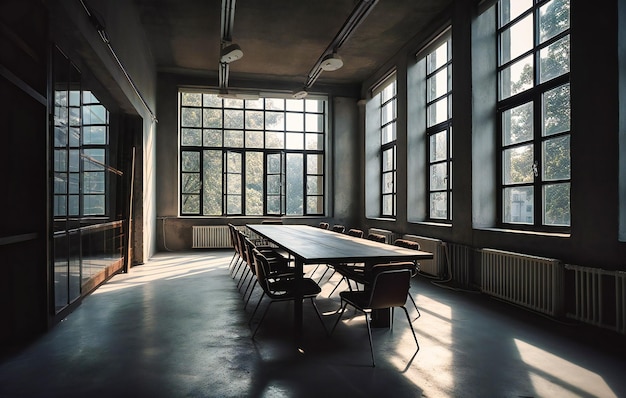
[389, 289]
[324, 225]
[356, 272]
[338, 228]
[410, 244]
[278, 288]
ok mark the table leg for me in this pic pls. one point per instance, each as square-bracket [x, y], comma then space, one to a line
[297, 305]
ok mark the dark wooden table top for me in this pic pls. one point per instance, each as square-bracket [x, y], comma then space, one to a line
[315, 245]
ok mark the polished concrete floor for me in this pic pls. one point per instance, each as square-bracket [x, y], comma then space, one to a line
[176, 327]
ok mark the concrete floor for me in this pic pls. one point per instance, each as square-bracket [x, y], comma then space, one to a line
[176, 327]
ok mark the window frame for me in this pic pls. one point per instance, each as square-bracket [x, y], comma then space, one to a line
[308, 137]
[534, 98]
[388, 146]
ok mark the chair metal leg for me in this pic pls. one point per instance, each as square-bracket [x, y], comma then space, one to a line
[255, 309]
[343, 308]
[411, 326]
[369, 335]
[337, 285]
[319, 315]
[415, 305]
[262, 318]
[250, 295]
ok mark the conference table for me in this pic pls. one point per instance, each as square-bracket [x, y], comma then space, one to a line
[313, 245]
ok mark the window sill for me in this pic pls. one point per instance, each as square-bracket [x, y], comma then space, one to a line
[523, 232]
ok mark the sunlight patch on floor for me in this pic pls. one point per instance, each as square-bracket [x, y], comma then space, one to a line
[556, 377]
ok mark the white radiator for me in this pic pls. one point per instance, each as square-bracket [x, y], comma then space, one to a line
[436, 266]
[211, 237]
[529, 281]
[591, 287]
[388, 234]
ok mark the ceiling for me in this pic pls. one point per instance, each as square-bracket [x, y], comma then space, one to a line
[281, 39]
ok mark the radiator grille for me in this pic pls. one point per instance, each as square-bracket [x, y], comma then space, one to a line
[436, 266]
[530, 281]
[211, 237]
[460, 259]
[594, 289]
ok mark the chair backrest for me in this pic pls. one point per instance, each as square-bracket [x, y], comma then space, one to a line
[408, 244]
[249, 250]
[391, 285]
[377, 238]
[324, 225]
[261, 266]
[272, 221]
[338, 228]
[355, 232]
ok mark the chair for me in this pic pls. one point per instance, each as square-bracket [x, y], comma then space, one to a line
[390, 288]
[356, 272]
[278, 288]
[355, 232]
[324, 225]
[338, 228]
[377, 237]
[410, 244]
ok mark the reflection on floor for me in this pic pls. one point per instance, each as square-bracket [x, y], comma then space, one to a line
[176, 327]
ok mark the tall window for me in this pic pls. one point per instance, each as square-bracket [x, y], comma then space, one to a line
[439, 129]
[81, 140]
[534, 113]
[251, 157]
[385, 98]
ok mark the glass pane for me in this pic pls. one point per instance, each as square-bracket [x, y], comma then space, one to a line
[314, 105]
[315, 164]
[191, 117]
[191, 183]
[190, 161]
[233, 103]
[233, 138]
[295, 121]
[388, 92]
[437, 58]
[437, 85]
[212, 138]
[254, 139]
[553, 19]
[314, 185]
[93, 205]
[275, 140]
[191, 204]
[211, 100]
[273, 204]
[275, 103]
[439, 205]
[518, 205]
[273, 164]
[212, 183]
[233, 162]
[233, 184]
[95, 135]
[388, 112]
[556, 159]
[273, 185]
[275, 121]
[73, 185]
[233, 119]
[556, 110]
[388, 205]
[438, 176]
[388, 133]
[93, 182]
[518, 165]
[554, 60]
[517, 77]
[516, 40]
[438, 112]
[254, 104]
[191, 99]
[212, 118]
[254, 120]
[233, 204]
[438, 146]
[295, 184]
[254, 183]
[314, 205]
[94, 159]
[95, 114]
[314, 122]
[191, 137]
[388, 161]
[511, 9]
[294, 105]
[388, 185]
[73, 205]
[295, 140]
[517, 124]
[315, 141]
[556, 199]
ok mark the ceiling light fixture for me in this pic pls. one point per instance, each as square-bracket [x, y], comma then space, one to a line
[331, 62]
[230, 53]
[300, 94]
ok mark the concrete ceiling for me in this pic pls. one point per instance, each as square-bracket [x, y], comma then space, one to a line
[281, 39]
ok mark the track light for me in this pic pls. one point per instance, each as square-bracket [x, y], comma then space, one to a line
[331, 62]
[230, 53]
